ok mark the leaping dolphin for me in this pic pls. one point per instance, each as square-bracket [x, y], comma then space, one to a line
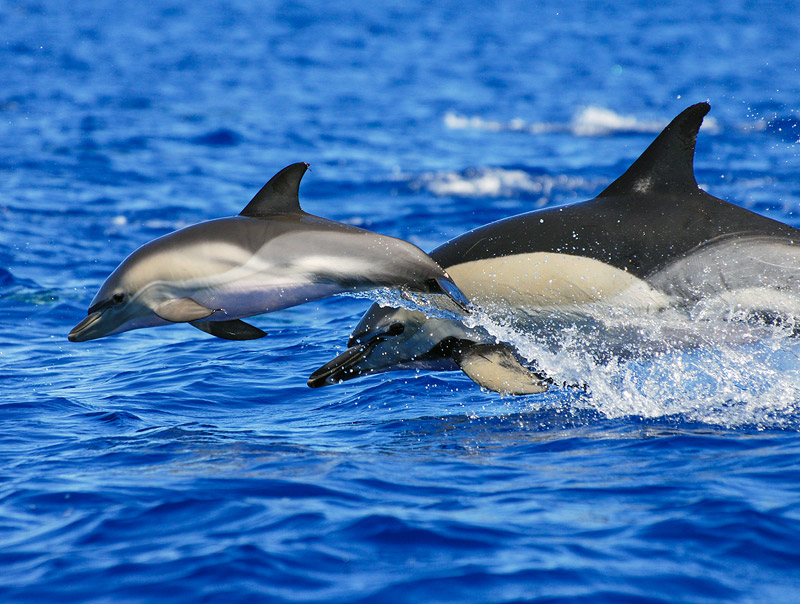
[271, 256]
[651, 240]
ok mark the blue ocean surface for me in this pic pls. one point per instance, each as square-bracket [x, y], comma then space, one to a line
[165, 465]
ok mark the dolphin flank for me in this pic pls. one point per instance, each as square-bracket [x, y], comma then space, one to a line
[271, 256]
[651, 240]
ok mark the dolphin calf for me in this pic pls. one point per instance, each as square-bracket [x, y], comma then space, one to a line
[651, 240]
[271, 256]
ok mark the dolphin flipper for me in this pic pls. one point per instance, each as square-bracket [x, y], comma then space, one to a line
[230, 330]
[182, 310]
[497, 368]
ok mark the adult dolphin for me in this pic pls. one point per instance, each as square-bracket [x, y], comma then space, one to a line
[651, 240]
[271, 256]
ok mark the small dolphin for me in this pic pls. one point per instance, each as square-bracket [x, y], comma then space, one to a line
[271, 256]
[651, 240]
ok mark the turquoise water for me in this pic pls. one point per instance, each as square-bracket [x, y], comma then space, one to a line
[165, 465]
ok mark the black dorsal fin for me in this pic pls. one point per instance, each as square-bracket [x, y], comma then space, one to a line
[667, 165]
[280, 195]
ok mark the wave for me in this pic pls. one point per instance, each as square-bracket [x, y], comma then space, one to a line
[14, 289]
[222, 137]
[587, 122]
[498, 182]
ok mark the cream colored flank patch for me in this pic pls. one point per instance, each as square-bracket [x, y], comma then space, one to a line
[550, 280]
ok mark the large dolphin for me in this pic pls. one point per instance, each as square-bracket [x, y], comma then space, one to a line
[651, 240]
[271, 256]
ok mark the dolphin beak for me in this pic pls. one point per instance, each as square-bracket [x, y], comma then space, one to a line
[344, 367]
[82, 332]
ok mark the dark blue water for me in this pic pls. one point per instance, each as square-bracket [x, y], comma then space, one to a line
[165, 465]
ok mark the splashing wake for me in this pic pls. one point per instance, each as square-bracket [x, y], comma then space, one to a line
[708, 370]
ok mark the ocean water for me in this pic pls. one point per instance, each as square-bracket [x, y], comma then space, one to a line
[165, 465]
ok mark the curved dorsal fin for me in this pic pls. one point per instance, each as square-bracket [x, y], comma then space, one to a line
[667, 165]
[280, 195]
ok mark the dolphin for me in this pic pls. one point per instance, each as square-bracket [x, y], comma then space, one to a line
[650, 241]
[271, 256]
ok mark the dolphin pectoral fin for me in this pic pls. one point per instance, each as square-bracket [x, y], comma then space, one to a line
[497, 368]
[230, 330]
[182, 310]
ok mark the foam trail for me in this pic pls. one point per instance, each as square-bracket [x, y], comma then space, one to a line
[715, 372]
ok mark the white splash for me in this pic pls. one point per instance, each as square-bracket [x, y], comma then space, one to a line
[497, 182]
[672, 364]
[668, 365]
[430, 304]
[590, 121]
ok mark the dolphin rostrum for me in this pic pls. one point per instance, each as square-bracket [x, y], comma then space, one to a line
[650, 241]
[271, 256]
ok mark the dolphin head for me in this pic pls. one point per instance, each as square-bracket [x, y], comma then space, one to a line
[389, 338]
[118, 306]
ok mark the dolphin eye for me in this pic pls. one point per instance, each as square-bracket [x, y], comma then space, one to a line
[118, 298]
[395, 329]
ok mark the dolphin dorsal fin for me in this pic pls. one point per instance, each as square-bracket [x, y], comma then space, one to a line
[667, 165]
[280, 195]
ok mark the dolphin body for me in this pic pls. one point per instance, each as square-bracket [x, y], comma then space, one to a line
[651, 240]
[271, 256]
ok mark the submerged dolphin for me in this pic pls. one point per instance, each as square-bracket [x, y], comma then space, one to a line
[271, 256]
[651, 240]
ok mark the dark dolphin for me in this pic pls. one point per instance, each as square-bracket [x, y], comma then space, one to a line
[651, 240]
